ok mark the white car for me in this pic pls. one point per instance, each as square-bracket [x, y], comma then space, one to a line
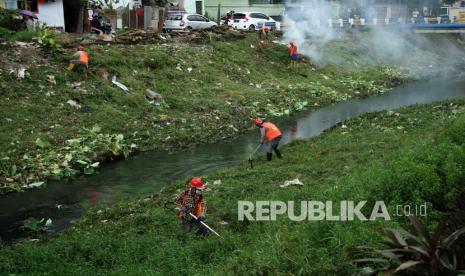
[252, 21]
[189, 21]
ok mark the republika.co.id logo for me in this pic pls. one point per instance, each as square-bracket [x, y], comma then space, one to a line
[318, 210]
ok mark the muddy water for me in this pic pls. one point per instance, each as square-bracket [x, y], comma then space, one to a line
[149, 172]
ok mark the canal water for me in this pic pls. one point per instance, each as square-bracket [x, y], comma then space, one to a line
[149, 172]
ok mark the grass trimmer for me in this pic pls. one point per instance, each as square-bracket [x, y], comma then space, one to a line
[252, 155]
[206, 226]
[168, 205]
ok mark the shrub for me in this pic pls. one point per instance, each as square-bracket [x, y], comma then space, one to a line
[418, 252]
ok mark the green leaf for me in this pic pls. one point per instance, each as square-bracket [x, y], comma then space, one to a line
[89, 170]
[406, 265]
[33, 225]
[96, 129]
[69, 157]
[82, 162]
[74, 142]
[453, 237]
[35, 185]
[41, 143]
[420, 228]
[13, 170]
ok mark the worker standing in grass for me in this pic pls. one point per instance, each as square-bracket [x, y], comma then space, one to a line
[80, 59]
[294, 53]
[272, 134]
[193, 202]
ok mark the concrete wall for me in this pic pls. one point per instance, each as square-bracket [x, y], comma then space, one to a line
[52, 14]
[190, 6]
[211, 7]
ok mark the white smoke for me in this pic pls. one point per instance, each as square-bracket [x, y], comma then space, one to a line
[308, 25]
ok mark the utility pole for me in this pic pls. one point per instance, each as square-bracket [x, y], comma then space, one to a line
[218, 18]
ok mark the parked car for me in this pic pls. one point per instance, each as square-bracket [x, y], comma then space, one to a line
[189, 21]
[252, 21]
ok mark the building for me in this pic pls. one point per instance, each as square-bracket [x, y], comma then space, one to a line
[456, 11]
[193, 6]
[2, 4]
[66, 15]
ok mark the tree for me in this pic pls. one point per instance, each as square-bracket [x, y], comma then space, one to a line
[100, 4]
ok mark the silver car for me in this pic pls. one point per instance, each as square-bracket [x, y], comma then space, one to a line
[189, 21]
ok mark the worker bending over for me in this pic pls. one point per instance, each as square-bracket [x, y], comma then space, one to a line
[273, 136]
[80, 59]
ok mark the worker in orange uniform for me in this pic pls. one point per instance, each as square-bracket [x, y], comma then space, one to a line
[193, 202]
[294, 53]
[265, 30]
[80, 59]
[273, 136]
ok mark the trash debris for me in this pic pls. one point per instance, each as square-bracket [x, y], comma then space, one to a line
[102, 73]
[51, 79]
[74, 85]
[295, 182]
[344, 126]
[48, 223]
[189, 69]
[223, 222]
[20, 73]
[252, 46]
[23, 44]
[217, 182]
[153, 97]
[119, 84]
[73, 103]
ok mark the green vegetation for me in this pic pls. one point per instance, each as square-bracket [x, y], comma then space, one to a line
[410, 156]
[420, 252]
[210, 92]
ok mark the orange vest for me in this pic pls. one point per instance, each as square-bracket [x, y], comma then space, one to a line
[265, 28]
[198, 207]
[271, 131]
[294, 50]
[84, 58]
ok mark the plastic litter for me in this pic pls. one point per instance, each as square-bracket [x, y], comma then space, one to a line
[73, 103]
[295, 182]
[20, 73]
[51, 79]
[119, 84]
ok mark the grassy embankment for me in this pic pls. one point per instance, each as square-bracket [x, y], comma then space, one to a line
[410, 156]
[209, 91]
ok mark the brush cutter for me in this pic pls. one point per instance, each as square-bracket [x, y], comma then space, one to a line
[252, 155]
[167, 206]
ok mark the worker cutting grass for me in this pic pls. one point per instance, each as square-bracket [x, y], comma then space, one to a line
[272, 135]
[192, 202]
